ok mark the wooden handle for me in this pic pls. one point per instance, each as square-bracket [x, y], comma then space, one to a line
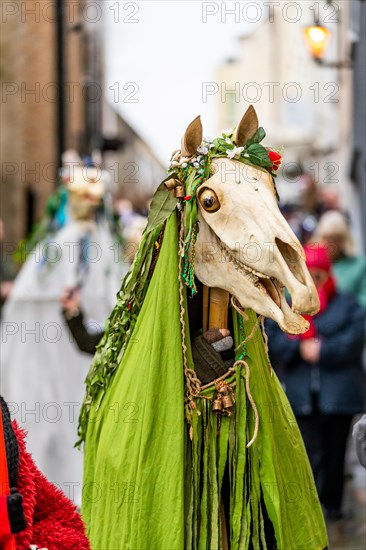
[205, 307]
[219, 304]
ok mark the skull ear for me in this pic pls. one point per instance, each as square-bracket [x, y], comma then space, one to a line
[192, 138]
[246, 128]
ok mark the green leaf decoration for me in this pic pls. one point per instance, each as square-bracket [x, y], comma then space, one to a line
[258, 136]
[162, 206]
[259, 155]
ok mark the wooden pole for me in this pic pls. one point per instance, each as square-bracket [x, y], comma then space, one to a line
[205, 307]
[219, 304]
[224, 533]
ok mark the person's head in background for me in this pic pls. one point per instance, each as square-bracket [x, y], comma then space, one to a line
[334, 231]
[318, 263]
[320, 267]
[328, 199]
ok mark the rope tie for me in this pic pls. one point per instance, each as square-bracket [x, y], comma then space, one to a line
[237, 306]
[245, 317]
[193, 383]
[259, 321]
[251, 400]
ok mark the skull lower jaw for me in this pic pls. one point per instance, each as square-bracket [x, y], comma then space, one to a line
[262, 292]
[273, 307]
[265, 295]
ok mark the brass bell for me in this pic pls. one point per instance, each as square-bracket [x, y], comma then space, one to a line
[227, 401]
[171, 184]
[180, 192]
[222, 388]
[217, 406]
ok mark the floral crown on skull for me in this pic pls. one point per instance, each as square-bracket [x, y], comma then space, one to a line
[195, 155]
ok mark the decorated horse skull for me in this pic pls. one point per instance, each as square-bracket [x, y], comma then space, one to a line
[86, 188]
[244, 244]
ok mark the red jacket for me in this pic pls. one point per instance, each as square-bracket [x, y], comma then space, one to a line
[53, 521]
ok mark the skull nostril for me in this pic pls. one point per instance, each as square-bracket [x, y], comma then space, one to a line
[292, 256]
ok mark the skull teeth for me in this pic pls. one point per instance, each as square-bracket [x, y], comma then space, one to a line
[251, 273]
[259, 280]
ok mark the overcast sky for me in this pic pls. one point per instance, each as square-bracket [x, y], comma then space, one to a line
[161, 52]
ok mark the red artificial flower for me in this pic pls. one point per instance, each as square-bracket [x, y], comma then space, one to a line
[275, 158]
[187, 197]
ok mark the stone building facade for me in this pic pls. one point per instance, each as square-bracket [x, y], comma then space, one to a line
[30, 102]
[309, 109]
[52, 87]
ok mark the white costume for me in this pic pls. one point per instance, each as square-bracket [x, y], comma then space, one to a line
[42, 370]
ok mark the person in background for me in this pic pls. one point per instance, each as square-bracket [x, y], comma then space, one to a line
[327, 199]
[322, 375]
[40, 370]
[86, 340]
[349, 269]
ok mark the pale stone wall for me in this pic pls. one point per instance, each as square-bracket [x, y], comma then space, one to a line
[317, 129]
[28, 139]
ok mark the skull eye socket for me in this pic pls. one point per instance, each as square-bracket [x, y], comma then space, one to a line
[209, 200]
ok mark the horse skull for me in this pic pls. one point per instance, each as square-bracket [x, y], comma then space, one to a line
[246, 247]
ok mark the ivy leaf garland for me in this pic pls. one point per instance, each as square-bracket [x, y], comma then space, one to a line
[258, 155]
[253, 152]
[258, 136]
[122, 321]
[162, 206]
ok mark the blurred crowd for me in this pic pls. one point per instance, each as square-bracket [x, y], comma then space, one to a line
[317, 216]
[323, 370]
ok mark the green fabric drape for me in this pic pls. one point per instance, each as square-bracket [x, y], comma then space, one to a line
[134, 449]
[148, 485]
[285, 474]
[272, 477]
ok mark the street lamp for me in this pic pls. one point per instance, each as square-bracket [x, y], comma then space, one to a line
[317, 37]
